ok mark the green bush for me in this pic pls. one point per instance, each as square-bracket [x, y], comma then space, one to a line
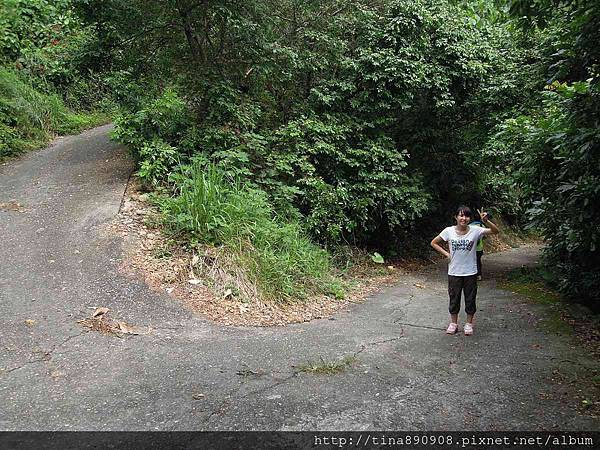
[29, 118]
[351, 183]
[212, 208]
[557, 169]
[353, 122]
[157, 160]
[165, 118]
[26, 25]
[154, 135]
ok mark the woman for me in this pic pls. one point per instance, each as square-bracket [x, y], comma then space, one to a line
[462, 266]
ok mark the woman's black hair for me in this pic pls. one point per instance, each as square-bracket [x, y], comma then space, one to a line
[465, 210]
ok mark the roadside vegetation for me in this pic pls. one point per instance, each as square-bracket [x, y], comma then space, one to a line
[29, 118]
[572, 321]
[539, 286]
[46, 87]
[275, 258]
[280, 133]
[323, 367]
[534, 284]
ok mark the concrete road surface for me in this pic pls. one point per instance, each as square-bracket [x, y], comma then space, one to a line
[57, 264]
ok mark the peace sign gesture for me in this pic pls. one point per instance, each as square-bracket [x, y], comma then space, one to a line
[483, 215]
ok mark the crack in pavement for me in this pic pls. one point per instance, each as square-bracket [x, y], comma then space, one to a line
[373, 344]
[418, 326]
[183, 413]
[42, 359]
[229, 396]
[46, 355]
[294, 374]
[68, 339]
[274, 385]
[282, 381]
[227, 400]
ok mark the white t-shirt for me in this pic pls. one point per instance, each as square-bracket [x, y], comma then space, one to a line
[463, 255]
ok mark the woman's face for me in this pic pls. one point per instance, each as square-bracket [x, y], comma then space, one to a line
[462, 220]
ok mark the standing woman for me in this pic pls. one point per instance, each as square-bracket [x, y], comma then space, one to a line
[462, 267]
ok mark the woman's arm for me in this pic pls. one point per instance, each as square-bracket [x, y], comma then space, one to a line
[436, 245]
[491, 226]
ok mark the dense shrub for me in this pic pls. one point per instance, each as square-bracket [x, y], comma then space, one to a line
[29, 118]
[153, 134]
[350, 183]
[547, 151]
[46, 74]
[27, 25]
[352, 120]
[557, 170]
[276, 256]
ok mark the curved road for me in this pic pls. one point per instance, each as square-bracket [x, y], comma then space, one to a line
[57, 264]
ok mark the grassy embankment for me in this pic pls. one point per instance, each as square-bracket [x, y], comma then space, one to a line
[259, 254]
[532, 284]
[30, 118]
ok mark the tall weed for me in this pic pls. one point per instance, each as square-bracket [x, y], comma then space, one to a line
[29, 118]
[214, 208]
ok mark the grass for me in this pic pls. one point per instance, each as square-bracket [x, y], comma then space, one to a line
[327, 367]
[531, 283]
[29, 118]
[273, 256]
[162, 252]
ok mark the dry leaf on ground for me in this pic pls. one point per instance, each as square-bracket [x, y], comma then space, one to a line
[99, 312]
[124, 327]
[13, 205]
[97, 324]
[99, 321]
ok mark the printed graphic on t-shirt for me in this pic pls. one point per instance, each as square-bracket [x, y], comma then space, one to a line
[463, 245]
[463, 260]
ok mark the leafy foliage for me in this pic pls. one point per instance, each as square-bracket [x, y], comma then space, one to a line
[557, 170]
[348, 118]
[45, 74]
[152, 134]
[277, 256]
[360, 122]
[29, 25]
[555, 162]
[28, 117]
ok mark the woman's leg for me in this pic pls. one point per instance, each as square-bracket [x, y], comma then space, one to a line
[455, 287]
[470, 287]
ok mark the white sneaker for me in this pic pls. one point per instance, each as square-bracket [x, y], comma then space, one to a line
[452, 328]
[468, 329]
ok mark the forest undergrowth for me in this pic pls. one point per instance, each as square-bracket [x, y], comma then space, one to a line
[283, 131]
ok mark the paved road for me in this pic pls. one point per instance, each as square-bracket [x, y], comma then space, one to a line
[57, 265]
